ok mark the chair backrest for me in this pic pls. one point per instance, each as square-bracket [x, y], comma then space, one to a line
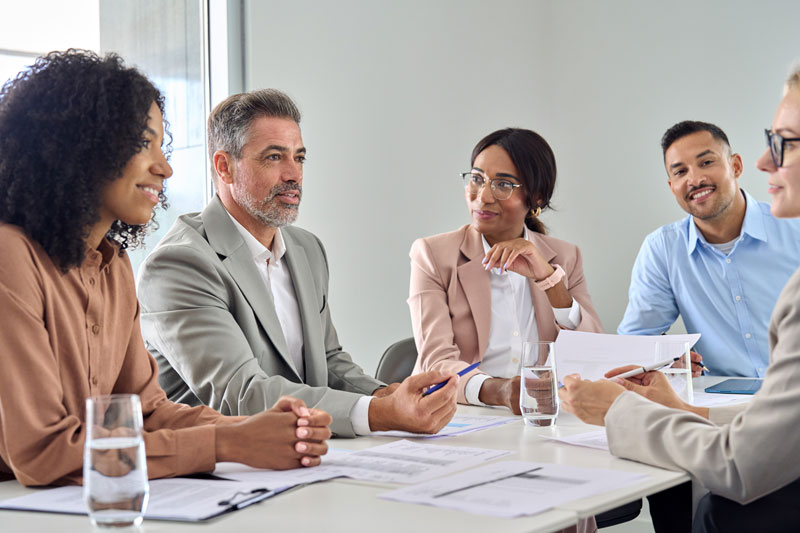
[397, 362]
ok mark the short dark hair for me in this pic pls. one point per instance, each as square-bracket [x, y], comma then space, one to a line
[687, 127]
[535, 163]
[68, 126]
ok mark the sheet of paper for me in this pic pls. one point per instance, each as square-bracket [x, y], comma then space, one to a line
[401, 461]
[593, 354]
[459, 425]
[170, 499]
[706, 399]
[514, 488]
[592, 439]
[277, 478]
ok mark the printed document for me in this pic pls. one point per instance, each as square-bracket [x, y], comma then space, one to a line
[402, 461]
[184, 499]
[459, 425]
[508, 489]
[593, 439]
[593, 354]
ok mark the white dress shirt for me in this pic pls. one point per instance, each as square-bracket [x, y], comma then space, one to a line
[278, 281]
[513, 322]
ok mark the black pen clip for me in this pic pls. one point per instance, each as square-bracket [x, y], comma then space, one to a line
[248, 495]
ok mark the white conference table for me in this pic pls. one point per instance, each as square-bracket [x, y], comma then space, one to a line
[345, 505]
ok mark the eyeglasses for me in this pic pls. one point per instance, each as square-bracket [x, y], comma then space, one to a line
[501, 189]
[776, 144]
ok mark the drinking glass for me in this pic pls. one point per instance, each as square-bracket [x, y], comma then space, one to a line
[679, 374]
[538, 395]
[115, 485]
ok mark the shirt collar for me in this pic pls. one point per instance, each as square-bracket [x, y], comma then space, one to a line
[260, 252]
[753, 224]
[102, 256]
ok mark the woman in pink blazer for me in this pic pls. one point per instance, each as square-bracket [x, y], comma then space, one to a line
[456, 276]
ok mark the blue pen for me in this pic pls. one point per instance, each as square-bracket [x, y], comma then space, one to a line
[438, 386]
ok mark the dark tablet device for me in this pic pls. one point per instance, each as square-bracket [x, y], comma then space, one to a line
[736, 386]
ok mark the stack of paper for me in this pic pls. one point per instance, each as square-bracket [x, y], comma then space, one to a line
[514, 488]
[401, 461]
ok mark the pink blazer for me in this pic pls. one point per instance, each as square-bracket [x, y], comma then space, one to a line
[450, 298]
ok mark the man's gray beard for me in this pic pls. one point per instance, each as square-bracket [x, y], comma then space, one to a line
[269, 214]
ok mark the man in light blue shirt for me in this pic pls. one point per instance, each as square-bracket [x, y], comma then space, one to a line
[722, 267]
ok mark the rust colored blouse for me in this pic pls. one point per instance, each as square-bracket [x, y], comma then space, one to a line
[65, 337]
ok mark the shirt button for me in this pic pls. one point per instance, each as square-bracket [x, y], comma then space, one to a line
[738, 298]
[94, 380]
[96, 329]
[515, 360]
[728, 260]
[516, 333]
[91, 282]
[747, 335]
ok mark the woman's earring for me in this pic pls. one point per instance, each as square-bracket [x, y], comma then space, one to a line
[536, 212]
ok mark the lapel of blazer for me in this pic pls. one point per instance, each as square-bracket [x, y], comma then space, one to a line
[541, 304]
[303, 281]
[476, 285]
[224, 238]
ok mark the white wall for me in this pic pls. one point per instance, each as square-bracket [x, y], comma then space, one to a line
[396, 94]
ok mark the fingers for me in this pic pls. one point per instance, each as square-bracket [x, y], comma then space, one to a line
[315, 434]
[418, 382]
[441, 416]
[571, 380]
[621, 369]
[316, 417]
[291, 404]
[444, 396]
[310, 461]
[311, 448]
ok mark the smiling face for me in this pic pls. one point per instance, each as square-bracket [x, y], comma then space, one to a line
[784, 182]
[497, 220]
[132, 197]
[703, 175]
[266, 182]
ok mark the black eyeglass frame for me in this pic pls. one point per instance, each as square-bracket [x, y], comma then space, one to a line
[492, 187]
[775, 157]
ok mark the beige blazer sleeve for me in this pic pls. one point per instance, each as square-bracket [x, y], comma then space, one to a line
[754, 454]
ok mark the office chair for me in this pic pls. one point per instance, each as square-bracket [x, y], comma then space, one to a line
[621, 514]
[397, 362]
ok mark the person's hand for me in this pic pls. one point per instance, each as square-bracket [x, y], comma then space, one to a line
[520, 256]
[654, 386]
[697, 364]
[589, 400]
[501, 391]
[288, 435]
[115, 462]
[380, 392]
[406, 409]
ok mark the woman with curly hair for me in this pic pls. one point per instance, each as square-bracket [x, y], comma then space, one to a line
[81, 169]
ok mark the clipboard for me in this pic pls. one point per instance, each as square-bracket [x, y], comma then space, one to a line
[174, 499]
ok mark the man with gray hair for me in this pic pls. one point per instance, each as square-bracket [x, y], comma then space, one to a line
[235, 300]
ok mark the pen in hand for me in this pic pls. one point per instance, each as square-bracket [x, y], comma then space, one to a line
[438, 386]
[647, 368]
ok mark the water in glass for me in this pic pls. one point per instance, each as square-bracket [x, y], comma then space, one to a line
[115, 466]
[538, 396]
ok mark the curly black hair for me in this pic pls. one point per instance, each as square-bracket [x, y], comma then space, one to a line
[68, 126]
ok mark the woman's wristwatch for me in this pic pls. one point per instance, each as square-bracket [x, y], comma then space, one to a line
[551, 280]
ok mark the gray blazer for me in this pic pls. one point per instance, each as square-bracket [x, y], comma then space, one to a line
[211, 324]
[744, 452]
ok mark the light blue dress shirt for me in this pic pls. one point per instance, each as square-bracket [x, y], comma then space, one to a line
[728, 299]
